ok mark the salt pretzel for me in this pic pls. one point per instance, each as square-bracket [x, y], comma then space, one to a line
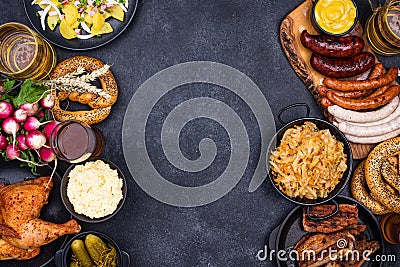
[360, 193]
[373, 165]
[101, 106]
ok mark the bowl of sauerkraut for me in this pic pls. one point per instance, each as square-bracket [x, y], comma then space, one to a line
[309, 161]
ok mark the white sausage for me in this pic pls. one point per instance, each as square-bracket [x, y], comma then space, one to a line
[372, 139]
[365, 131]
[392, 116]
[369, 116]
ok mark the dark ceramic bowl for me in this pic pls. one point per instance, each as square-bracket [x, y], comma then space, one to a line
[63, 256]
[321, 30]
[70, 208]
[321, 125]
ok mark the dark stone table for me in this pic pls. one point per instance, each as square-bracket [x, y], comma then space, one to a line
[243, 35]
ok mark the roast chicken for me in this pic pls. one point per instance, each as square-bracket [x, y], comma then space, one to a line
[22, 232]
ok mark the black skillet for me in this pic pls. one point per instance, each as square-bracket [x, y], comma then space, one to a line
[285, 236]
[321, 124]
[54, 211]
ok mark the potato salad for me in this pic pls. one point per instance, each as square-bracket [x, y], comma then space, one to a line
[81, 19]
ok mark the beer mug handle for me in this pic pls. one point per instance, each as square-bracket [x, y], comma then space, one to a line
[375, 4]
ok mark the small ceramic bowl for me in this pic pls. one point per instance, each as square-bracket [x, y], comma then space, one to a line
[68, 204]
[322, 30]
[63, 256]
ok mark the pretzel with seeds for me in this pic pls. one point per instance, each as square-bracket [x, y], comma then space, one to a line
[99, 102]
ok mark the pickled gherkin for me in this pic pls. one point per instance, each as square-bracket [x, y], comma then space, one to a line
[96, 247]
[80, 254]
[100, 253]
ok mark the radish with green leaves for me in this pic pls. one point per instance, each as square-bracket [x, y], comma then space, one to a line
[6, 109]
[35, 140]
[26, 106]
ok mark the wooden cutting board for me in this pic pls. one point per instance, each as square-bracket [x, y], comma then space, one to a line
[299, 57]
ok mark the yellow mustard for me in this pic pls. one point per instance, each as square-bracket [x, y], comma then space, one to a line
[335, 16]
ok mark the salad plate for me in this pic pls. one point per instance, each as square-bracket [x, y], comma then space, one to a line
[54, 36]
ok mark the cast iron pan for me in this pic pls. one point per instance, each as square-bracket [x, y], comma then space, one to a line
[55, 37]
[63, 257]
[54, 211]
[321, 124]
[286, 235]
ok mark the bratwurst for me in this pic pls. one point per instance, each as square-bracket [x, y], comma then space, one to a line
[385, 79]
[331, 46]
[364, 103]
[342, 68]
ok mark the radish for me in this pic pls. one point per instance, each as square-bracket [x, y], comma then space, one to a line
[49, 128]
[10, 126]
[31, 124]
[20, 115]
[35, 140]
[12, 152]
[21, 142]
[6, 109]
[40, 114]
[46, 154]
[48, 101]
[30, 109]
[3, 142]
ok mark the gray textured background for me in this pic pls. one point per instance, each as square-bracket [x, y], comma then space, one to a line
[242, 34]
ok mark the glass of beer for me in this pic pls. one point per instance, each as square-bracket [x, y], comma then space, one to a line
[390, 225]
[383, 27]
[23, 53]
[74, 141]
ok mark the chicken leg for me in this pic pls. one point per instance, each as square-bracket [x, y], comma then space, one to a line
[20, 206]
[10, 252]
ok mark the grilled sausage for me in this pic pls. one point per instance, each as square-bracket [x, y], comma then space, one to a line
[376, 72]
[364, 103]
[385, 79]
[325, 102]
[342, 68]
[333, 47]
[377, 91]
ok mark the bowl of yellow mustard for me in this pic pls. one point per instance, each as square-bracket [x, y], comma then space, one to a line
[334, 17]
